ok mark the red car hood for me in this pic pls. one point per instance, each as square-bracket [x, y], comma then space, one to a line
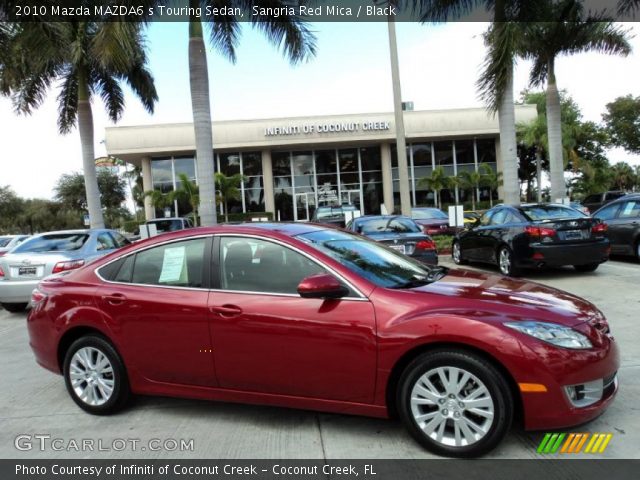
[522, 299]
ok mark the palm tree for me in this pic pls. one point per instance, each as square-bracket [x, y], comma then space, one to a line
[592, 180]
[495, 84]
[623, 176]
[228, 189]
[437, 181]
[288, 32]
[543, 42]
[470, 180]
[158, 199]
[84, 60]
[187, 192]
[490, 178]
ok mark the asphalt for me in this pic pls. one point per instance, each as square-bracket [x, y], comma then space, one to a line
[34, 401]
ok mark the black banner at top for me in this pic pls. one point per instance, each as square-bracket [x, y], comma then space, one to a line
[285, 10]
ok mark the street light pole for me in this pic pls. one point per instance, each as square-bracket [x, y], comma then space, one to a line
[401, 150]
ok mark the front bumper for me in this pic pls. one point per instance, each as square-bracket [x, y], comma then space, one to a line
[17, 292]
[563, 368]
[539, 254]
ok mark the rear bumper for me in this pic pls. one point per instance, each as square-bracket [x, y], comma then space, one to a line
[429, 257]
[539, 254]
[17, 292]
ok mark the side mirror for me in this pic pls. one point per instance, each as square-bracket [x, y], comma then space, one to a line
[321, 285]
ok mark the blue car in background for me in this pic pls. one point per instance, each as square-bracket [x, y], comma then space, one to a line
[399, 233]
[41, 255]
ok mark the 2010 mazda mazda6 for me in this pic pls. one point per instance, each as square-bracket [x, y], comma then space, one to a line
[305, 316]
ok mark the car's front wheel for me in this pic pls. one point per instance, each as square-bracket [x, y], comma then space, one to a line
[14, 307]
[456, 254]
[590, 267]
[455, 403]
[506, 262]
[95, 376]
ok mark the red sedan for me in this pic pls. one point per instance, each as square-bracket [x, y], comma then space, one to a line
[302, 316]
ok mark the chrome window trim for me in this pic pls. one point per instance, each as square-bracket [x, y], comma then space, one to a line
[360, 297]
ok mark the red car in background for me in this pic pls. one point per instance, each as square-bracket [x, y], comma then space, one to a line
[303, 316]
[432, 220]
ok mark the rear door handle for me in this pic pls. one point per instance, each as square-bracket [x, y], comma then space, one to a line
[226, 310]
[114, 299]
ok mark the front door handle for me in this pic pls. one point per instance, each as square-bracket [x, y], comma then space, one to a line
[114, 298]
[226, 310]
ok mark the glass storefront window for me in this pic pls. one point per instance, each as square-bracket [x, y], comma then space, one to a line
[161, 171]
[186, 165]
[229, 163]
[370, 158]
[464, 152]
[421, 154]
[254, 199]
[251, 164]
[348, 160]
[486, 150]
[443, 153]
[326, 161]
[281, 164]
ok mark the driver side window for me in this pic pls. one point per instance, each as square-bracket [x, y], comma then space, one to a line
[486, 218]
[253, 265]
[609, 212]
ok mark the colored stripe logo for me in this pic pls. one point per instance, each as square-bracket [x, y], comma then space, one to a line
[574, 443]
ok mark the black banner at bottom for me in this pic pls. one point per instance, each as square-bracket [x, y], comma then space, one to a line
[162, 469]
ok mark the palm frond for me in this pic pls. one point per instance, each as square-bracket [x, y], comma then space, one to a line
[68, 101]
[107, 87]
[444, 10]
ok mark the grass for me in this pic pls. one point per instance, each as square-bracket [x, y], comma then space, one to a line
[443, 242]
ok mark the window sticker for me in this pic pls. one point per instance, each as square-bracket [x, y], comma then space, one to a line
[173, 265]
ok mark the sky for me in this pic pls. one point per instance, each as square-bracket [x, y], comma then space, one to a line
[439, 65]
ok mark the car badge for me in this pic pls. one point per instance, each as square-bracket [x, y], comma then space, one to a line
[26, 262]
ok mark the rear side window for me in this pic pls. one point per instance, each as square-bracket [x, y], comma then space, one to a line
[58, 242]
[608, 212]
[120, 240]
[178, 264]
[499, 217]
[4, 241]
[105, 242]
[551, 212]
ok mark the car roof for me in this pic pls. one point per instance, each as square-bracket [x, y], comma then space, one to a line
[381, 217]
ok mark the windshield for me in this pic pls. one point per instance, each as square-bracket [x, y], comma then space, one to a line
[167, 225]
[551, 212]
[57, 242]
[428, 214]
[4, 241]
[380, 265]
[387, 225]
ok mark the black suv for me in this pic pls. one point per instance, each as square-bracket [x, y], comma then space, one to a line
[623, 218]
[597, 200]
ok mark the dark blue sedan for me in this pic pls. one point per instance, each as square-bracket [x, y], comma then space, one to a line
[399, 233]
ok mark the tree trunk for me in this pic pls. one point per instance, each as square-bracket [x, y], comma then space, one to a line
[539, 174]
[473, 198]
[199, 83]
[85, 127]
[554, 133]
[226, 212]
[508, 149]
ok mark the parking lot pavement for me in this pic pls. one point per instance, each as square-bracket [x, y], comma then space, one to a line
[34, 401]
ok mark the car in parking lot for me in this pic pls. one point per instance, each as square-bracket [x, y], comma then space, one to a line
[46, 254]
[597, 200]
[533, 235]
[333, 215]
[304, 316]
[399, 233]
[623, 218]
[432, 220]
[8, 242]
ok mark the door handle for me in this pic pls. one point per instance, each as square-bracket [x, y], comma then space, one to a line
[114, 299]
[226, 310]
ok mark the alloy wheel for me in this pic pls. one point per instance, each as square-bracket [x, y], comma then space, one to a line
[91, 375]
[452, 406]
[505, 261]
[456, 254]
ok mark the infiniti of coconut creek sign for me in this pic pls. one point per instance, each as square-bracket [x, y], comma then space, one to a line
[331, 127]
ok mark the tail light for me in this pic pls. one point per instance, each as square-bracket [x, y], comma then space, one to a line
[600, 228]
[426, 245]
[539, 232]
[2, 253]
[69, 265]
[1, 272]
[37, 296]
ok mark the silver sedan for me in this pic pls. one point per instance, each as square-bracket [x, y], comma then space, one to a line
[22, 269]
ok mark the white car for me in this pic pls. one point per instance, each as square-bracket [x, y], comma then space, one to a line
[7, 242]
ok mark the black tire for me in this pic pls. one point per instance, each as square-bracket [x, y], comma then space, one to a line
[14, 307]
[589, 267]
[636, 250]
[493, 380]
[509, 270]
[457, 259]
[121, 391]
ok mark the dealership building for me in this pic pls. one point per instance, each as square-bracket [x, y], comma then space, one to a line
[293, 165]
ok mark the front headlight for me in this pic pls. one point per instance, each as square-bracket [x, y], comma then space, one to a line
[552, 333]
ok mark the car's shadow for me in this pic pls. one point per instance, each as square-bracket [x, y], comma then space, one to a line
[539, 275]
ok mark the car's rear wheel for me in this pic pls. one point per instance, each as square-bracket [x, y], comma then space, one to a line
[455, 403]
[506, 262]
[14, 307]
[590, 267]
[95, 376]
[637, 250]
[456, 254]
